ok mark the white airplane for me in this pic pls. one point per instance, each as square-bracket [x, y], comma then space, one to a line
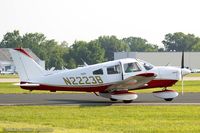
[114, 79]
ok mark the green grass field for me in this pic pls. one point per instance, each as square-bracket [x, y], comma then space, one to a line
[105, 119]
[193, 75]
[189, 86]
[9, 76]
[10, 88]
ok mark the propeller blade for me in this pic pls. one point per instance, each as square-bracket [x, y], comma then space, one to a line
[182, 67]
[182, 83]
[182, 60]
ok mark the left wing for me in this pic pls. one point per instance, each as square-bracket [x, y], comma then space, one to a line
[133, 82]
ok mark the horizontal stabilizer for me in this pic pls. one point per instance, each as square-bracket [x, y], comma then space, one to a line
[26, 84]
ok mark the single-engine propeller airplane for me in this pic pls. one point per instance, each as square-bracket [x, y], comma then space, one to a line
[115, 80]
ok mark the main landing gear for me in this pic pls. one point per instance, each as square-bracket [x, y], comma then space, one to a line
[167, 95]
[125, 96]
[112, 99]
[128, 97]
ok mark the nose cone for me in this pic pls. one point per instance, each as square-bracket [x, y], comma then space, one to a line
[185, 71]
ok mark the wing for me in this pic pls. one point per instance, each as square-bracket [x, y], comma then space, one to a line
[133, 82]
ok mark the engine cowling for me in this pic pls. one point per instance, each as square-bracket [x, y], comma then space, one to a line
[166, 94]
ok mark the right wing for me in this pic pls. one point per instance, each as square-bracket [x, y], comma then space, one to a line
[133, 82]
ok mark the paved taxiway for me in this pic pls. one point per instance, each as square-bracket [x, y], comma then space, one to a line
[87, 99]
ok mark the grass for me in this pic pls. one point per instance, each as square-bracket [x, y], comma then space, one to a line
[10, 88]
[193, 75]
[9, 76]
[6, 88]
[109, 119]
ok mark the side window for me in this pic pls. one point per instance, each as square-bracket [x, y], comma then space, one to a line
[131, 67]
[114, 69]
[98, 72]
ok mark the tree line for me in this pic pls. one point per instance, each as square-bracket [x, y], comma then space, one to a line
[102, 49]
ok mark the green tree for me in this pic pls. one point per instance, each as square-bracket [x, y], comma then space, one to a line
[196, 47]
[35, 42]
[91, 52]
[54, 54]
[140, 45]
[48, 50]
[79, 50]
[97, 53]
[179, 41]
[111, 44]
[11, 40]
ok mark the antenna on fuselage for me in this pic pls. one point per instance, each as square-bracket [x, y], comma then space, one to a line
[85, 64]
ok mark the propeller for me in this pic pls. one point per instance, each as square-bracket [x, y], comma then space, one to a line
[182, 60]
[182, 67]
[184, 71]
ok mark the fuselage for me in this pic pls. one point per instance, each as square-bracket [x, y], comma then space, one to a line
[98, 77]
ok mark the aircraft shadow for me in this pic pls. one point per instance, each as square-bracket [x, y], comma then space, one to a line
[94, 103]
[81, 102]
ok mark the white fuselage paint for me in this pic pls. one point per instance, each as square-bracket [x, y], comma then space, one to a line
[84, 76]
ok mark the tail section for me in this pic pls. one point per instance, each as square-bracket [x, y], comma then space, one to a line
[26, 67]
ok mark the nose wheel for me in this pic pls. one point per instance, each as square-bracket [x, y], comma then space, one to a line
[127, 101]
[168, 99]
[167, 95]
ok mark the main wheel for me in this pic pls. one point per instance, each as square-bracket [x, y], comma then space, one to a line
[112, 99]
[127, 101]
[168, 99]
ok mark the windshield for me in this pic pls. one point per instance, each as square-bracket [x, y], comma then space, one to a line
[146, 65]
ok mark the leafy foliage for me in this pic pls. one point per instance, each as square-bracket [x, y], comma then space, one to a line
[11, 40]
[60, 55]
[181, 42]
[139, 44]
[111, 44]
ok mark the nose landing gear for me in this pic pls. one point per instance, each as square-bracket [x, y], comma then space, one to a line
[167, 95]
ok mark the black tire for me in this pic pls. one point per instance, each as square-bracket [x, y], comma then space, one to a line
[168, 99]
[112, 99]
[127, 101]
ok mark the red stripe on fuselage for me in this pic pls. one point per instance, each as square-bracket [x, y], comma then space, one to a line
[159, 84]
[67, 88]
[151, 84]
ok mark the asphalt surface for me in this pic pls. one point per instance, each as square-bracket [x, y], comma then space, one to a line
[89, 99]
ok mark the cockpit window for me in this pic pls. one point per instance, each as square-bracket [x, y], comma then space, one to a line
[131, 67]
[114, 69]
[146, 65]
[98, 72]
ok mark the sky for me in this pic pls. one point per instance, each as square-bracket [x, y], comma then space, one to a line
[70, 20]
